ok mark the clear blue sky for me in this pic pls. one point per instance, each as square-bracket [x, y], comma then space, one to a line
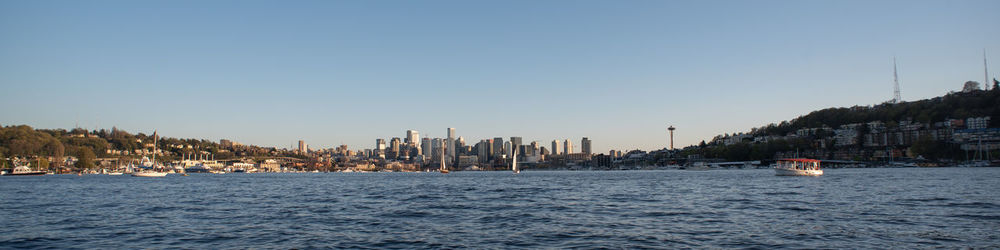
[347, 72]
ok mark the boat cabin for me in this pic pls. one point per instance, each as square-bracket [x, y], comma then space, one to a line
[799, 164]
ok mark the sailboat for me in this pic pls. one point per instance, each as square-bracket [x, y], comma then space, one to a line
[152, 171]
[513, 165]
[444, 170]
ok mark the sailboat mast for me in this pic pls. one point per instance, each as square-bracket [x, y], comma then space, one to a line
[154, 149]
[442, 159]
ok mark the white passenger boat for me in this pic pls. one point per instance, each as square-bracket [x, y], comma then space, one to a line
[798, 167]
[25, 170]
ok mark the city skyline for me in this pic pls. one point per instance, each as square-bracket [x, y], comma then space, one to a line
[333, 73]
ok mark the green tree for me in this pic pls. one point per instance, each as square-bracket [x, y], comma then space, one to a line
[43, 164]
[85, 158]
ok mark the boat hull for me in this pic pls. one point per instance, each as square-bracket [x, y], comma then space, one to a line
[797, 172]
[26, 174]
[149, 174]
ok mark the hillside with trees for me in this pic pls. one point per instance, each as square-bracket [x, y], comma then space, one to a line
[55, 145]
[785, 138]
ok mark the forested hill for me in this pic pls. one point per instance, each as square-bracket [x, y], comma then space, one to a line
[956, 105]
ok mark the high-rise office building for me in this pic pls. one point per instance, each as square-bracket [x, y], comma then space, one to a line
[302, 147]
[380, 144]
[585, 146]
[436, 147]
[507, 148]
[412, 138]
[450, 146]
[567, 147]
[483, 150]
[555, 147]
[497, 147]
[515, 143]
[425, 147]
[395, 147]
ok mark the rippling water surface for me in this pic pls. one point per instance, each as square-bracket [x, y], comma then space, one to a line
[846, 208]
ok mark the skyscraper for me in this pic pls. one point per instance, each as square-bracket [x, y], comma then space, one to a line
[585, 146]
[412, 138]
[507, 148]
[555, 147]
[450, 145]
[436, 146]
[515, 144]
[394, 147]
[483, 150]
[380, 144]
[302, 147]
[425, 147]
[497, 147]
[568, 147]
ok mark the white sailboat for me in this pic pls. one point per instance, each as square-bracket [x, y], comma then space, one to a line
[443, 169]
[151, 172]
[513, 165]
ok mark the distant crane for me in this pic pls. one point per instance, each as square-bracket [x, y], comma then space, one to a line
[671, 129]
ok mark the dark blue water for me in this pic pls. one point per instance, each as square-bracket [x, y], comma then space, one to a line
[846, 208]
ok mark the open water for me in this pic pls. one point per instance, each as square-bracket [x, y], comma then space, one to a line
[846, 208]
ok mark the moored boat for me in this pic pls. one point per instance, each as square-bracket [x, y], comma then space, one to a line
[25, 170]
[149, 174]
[154, 170]
[798, 167]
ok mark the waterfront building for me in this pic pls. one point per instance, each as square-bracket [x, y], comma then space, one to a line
[555, 147]
[578, 157]
[585, 146]
[567, 147]
[269, 165]
[467, 160]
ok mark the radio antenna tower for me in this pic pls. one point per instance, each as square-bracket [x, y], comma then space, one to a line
[895, 79]
[986, 72]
